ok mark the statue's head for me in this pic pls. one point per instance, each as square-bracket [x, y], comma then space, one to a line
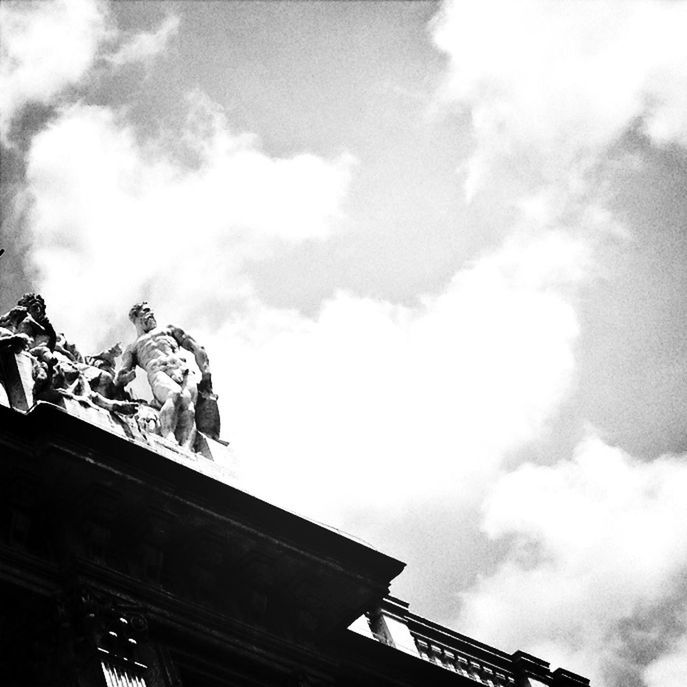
[34, 304]
[143, 317]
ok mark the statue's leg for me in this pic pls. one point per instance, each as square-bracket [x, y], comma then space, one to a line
[168, 393]
[186, 426]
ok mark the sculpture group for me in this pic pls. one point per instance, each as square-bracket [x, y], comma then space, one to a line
[181, 406]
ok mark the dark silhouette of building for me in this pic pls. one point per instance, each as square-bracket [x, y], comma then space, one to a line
[125, 562]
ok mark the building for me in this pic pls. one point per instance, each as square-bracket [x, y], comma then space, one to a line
[128, 562]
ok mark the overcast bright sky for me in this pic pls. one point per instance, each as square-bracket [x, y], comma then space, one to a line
[437, 254]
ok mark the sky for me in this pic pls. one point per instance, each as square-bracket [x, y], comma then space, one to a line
[436, 253]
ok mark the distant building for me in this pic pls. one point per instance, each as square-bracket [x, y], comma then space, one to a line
[126, 561]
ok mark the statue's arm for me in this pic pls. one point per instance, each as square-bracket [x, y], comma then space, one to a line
[127, 371]
[124, 407]
[12, 317]
[190, 344]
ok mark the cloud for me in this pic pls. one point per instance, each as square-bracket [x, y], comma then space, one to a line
[145, 45]
[595, 574]
[552, 84]
[48, 47]
[381, 407]
[670, 669]
[130, 219]
[597, 564]
[45, 48]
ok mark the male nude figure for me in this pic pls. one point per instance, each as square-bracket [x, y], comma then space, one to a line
[156, 350]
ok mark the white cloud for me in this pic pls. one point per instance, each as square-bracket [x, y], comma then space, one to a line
[127, 219]
[597, 559]
[597, 546]
[48, 47]
[376, 406]
[670, 669]
[140, 47]
[551, 84]
[44, 48]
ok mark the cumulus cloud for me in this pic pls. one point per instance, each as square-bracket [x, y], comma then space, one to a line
[48, 47]
[373, 405]
[596, 569]
[44, 48]
[550, 85]
[597, 565]
[130, 220]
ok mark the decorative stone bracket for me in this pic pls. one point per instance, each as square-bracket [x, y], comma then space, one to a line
[109, 630]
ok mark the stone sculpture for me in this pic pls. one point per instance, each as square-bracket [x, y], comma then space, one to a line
[26, 327]
[28, 318]
[58, 368]
[36, 364]
[99, 372]
[157, 351]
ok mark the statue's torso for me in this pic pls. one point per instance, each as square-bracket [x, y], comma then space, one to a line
[157, 350]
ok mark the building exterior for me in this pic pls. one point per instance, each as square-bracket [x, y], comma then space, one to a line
[126, 561]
